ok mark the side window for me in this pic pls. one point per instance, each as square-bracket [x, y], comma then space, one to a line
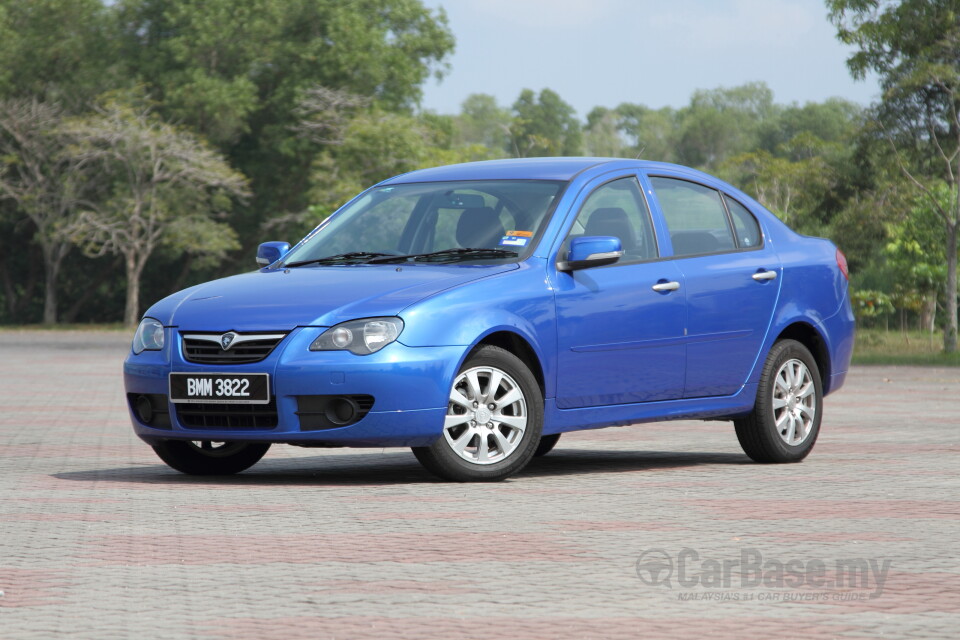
[695, 216]
[744, 224]
[619, 209]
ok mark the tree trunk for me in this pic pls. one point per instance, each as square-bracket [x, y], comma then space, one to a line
[50, 297]
[53, 255]
[131, 313]
[928, 312]
[950, 330]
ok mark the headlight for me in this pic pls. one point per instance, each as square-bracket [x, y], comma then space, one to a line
[359, 336]
[149, 336]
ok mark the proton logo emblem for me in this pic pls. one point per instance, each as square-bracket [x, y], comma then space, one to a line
[227, 339]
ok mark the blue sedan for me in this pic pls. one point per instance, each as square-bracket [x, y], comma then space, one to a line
[475, 312]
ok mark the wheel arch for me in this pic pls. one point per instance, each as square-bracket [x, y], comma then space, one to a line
[809, 337]
[518, 346]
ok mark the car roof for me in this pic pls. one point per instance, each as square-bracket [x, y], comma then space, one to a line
[521, 169]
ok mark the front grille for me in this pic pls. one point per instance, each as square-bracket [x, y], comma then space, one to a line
[228, 416]
[205, 348]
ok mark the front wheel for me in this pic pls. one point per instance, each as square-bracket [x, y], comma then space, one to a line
[207, 458]
[493, 422]
[785, 421]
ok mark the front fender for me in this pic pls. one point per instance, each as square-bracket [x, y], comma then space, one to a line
[518, 302]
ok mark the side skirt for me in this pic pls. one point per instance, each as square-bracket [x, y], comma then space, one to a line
[561, 420]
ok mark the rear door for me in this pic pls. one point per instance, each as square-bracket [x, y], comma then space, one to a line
[732, 280]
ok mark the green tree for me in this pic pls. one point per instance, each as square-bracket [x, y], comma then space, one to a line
[834, 120]
[61, 51]
[325, 113]
[794, 182]
[915, 255]
[861, 229]
[869, 196]
[166, 187]
[720, 123]
[482, 121]
[55, 56]
[793, 189]
[914, 46]
[544, 125]
[602, 136]
[235, 71]
[651, 134]
[46, 184]
[402, 142]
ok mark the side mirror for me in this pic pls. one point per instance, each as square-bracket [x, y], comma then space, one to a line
[591, 251]
[270, 252]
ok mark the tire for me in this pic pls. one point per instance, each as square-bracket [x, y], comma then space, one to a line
[547, 443]
[785, 421]
[208, 458]
[483, 444]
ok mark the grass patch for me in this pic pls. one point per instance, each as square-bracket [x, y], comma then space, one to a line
[876, 346]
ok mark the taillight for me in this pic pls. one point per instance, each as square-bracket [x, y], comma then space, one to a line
[842, 263]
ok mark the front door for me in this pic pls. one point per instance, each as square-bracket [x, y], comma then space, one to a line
[620, 340]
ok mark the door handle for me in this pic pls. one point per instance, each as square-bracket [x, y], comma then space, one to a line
[764, 275]
[666, 286]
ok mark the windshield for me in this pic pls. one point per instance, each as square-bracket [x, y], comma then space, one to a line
[433, 222]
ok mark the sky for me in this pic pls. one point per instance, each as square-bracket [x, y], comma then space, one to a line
[652, 52]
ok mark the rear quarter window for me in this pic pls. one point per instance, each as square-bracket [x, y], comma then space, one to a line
[744, 225]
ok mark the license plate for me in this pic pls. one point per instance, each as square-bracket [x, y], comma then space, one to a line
[220, 388]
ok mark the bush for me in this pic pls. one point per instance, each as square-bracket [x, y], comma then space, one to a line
[870, 305]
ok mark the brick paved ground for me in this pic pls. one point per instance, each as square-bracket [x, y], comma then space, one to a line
[100, 540]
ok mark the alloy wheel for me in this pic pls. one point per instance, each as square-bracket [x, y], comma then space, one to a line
[486, 416]
[794, 402]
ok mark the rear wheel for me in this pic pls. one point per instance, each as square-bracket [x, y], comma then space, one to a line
[209, 458]
[493, 422]
[785, 421]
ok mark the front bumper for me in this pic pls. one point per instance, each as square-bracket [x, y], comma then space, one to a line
[409, 386]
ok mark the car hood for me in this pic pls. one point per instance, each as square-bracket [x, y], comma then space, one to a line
[272, 300]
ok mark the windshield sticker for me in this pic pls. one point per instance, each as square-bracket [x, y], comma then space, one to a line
[522, 234]
[513, 241]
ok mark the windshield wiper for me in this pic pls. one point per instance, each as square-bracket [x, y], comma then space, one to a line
[353, 256]
[448, 255]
